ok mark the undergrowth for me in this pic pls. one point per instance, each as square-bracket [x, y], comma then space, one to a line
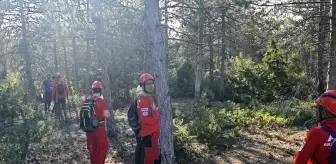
[217, 124]
[22, 125]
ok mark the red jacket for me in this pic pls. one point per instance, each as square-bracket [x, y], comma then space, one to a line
[54, 89]
[148, 115]
[316, 145]
[97, 142]
[99, 135]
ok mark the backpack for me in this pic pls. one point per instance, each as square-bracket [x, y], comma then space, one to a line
[332, 156]
[60, 88]
[87, 120]
[132, 116]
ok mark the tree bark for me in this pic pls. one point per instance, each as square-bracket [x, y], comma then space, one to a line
[88, 54]
[75, 69]
[55, 54]
[66, 68]
[25, 140]
[223, 48]
[166, 33]
[211, 59]
[306, 57]
[26, 54]
[320, 49]
[332, 58]
[313, 65]
[200, 55]
[156, 48]
[3, 73]
[75, 58]
[31, 88]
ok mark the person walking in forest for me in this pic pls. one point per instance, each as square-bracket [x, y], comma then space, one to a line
[95, 108]
[60, 93]
[319, 144]
[47, 92]
[147, 115]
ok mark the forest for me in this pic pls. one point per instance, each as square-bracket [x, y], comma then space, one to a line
[236, 81]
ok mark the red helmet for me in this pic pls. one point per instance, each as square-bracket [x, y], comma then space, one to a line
[145, 77]
[97, 84]
[328, 101]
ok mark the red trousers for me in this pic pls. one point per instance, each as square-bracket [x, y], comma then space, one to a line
[97, 144]
[152, 148]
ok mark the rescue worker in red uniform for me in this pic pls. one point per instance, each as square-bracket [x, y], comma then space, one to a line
[149, 121]
[60, 98]
[97, 142]
[316, 145]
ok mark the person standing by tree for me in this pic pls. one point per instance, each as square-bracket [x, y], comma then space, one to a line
[47, 92]
[149, 121]
[156, 48]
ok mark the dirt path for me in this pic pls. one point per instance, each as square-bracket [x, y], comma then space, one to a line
[264, 147]
[68, 146]
[251, 147]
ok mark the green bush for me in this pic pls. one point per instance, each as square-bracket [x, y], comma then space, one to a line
[182, 137]
[299, 113]
[186, 145]
[212, 125]
[277, 75]
[207, 97]
[21, 124]
[223, 120]
[182, 81]
[273, 78]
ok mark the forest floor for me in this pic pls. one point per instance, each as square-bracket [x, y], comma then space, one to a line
[275, 146]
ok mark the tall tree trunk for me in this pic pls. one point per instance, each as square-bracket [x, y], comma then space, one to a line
[26, 54]
[67, 76]
[313, 65]
[211, 59]
[321, 47]
[25, 142]
[156, 48]
[200, 55]
[75, 69]
[306, 57]
[67, 68]
[96, 19]
[166, 32]
[31, 88]
[75, 73]
[332, 58]
[3, 73]
[75, 58]
[55, 54]
[219, 51]
[223, 48]
[88, 53]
